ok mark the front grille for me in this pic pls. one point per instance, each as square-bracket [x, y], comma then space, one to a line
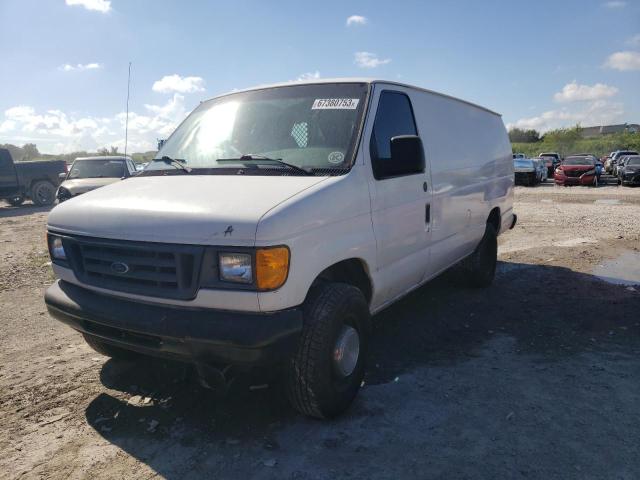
[573, 173]
[143, 268]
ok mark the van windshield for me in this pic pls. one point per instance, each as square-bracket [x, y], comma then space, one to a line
[314, 127]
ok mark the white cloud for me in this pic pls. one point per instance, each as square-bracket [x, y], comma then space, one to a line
[356, 20]
[309, 76]
[572, 92]
[67, 67]
[634, 41]
[102, 6]
[624, 61]
[56, 132]
[615, 4]
[176, 83]
[599, 112]
[369, 60]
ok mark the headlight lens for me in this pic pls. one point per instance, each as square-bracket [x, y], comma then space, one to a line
[235, 267]
[56, 248]
[591, 172]
[272, 267]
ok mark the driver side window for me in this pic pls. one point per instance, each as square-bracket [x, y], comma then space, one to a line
[393, 118]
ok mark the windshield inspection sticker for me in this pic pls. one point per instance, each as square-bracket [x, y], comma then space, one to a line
[335, 157]
[335, 104]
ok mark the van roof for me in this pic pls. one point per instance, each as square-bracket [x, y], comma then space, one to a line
[316, 81]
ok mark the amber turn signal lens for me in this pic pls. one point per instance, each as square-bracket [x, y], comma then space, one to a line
[272, 267]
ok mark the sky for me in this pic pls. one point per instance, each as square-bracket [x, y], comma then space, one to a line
[542, 64]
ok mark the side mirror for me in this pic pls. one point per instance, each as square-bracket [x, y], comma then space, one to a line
[62, 175]
[407, 156]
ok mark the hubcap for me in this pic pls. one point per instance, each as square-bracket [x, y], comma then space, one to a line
[346, 351]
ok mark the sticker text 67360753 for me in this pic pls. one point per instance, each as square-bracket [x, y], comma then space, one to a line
[335, 104]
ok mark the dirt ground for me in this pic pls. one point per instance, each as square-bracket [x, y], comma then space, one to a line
[535, 377]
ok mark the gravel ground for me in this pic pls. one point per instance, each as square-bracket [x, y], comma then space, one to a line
[535, 377]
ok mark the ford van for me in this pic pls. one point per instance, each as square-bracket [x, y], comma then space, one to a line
[275, 221]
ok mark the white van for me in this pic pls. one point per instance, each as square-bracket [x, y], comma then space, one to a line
[275, 221]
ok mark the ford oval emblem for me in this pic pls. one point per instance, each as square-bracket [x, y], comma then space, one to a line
[119, 268]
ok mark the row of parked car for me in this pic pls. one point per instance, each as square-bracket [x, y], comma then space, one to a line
[577, 169]
[45, 182]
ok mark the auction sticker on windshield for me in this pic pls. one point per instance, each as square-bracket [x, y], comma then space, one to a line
[335, 104]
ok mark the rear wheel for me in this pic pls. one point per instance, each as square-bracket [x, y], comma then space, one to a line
[326, 372]
[109, 350]
[16, 201]
[481, 264]
[43, 193]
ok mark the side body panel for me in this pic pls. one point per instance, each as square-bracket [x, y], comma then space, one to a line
[471, 173]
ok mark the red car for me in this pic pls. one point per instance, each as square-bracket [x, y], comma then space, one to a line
[576, 171]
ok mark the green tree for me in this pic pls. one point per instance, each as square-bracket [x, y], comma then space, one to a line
[30, 151]
[523, 136]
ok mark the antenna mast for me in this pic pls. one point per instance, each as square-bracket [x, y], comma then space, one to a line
[126, 124]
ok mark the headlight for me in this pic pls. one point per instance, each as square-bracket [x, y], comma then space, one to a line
[590, 172]
[63, 194]
[235, 267]
[56, 248]
[260, 269]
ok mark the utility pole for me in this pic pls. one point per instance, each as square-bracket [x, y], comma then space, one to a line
[126, 124]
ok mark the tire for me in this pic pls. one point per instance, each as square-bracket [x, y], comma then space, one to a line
[481, 264]
[43, 193]
[109, 350]
[314, 384]
[16, 201]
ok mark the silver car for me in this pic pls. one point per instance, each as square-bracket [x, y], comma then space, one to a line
[89, 173]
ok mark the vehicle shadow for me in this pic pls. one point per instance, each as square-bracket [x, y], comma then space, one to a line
[549, 311]
[8, 211]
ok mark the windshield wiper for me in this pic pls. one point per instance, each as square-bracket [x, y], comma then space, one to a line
[251, 157]
[176, 162]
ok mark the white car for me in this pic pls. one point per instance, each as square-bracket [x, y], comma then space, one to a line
[275, 221]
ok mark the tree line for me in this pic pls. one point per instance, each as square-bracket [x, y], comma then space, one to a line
[29, 152]
[566, 141]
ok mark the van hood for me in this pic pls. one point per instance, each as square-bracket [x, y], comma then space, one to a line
[206, 210]
[83, 185]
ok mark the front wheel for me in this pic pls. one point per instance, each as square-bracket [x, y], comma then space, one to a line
[326, 372]
[16, 201]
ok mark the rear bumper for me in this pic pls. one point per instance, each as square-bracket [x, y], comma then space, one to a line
[525, 178]
[192, 335]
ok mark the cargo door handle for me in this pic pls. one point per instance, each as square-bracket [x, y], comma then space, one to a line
[427, 213]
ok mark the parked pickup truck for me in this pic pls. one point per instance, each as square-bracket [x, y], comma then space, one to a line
[275, 221]
[35, 180]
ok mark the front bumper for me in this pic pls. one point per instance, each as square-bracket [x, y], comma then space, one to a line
[631, 178]
[582, 180]
[200, 336]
